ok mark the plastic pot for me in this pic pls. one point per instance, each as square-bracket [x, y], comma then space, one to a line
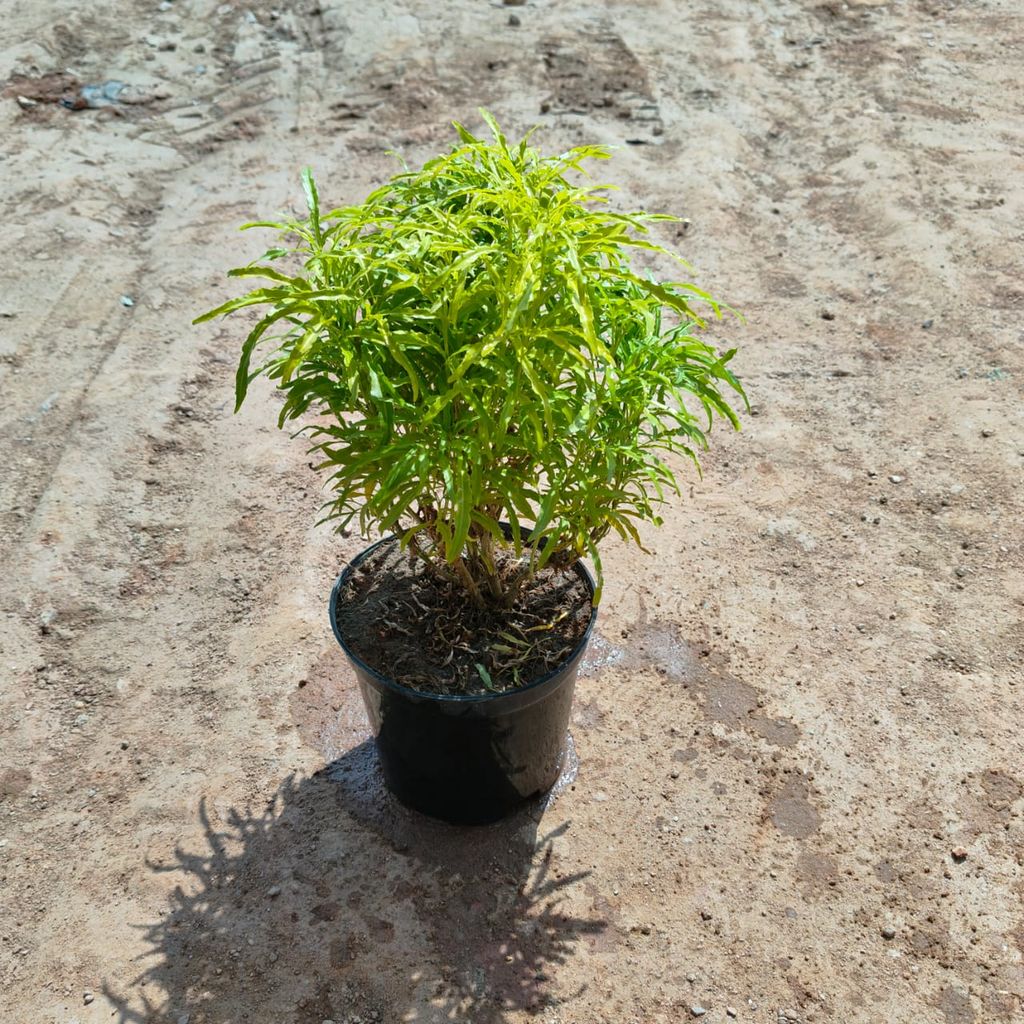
[467, 760]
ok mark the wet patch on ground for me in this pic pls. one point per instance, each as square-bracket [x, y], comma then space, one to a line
[327, 708]
[791, 810]
[658, 648]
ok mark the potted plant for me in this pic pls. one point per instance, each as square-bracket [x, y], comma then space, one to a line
[490, 385]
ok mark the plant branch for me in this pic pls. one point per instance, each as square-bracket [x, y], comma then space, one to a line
[467, 579]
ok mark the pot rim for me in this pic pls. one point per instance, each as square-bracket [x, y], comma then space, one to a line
[452, 698]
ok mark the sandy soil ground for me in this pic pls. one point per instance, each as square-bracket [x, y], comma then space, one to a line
[797, 710]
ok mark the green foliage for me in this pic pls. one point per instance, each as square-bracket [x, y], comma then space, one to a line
[480, 351]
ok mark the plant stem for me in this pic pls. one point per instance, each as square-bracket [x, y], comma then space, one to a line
[514, 588]
[469, 582]
[490, 569]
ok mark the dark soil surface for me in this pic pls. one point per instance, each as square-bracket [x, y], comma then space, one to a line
[422, 630]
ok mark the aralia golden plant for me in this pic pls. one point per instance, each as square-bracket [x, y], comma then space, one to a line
[489, 371]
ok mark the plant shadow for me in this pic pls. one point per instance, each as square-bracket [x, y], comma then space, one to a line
[336, 903]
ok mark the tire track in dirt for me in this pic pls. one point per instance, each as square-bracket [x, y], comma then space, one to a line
[39, 422]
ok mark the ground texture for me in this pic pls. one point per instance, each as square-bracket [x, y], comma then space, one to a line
[800, 790]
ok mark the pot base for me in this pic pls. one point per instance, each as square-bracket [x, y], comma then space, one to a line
[472, 768]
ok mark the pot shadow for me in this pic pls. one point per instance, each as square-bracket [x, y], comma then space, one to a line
[337, 903]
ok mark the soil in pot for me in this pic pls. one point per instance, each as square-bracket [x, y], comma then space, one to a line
[412, 625]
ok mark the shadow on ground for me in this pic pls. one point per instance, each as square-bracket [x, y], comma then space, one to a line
[336, 902]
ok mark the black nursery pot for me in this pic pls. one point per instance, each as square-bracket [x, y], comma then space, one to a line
[468, 760]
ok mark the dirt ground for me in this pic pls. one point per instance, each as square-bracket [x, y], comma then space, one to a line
[800, 785]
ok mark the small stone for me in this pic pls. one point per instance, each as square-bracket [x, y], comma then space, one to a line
[860, 583]
[513, 20]
[515, 3]
[959, 854]
[185, 1018]
[87, 998]
[888, 932]
[705, 915]
[731, 1011]
[127, 300]
[124, 744]
[273, 891]
[987, 433]
[960, 571]
[697, 1011]
[927, 325]
[327, 1022]
[827, 314]
[25, 103]
[896, 478]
